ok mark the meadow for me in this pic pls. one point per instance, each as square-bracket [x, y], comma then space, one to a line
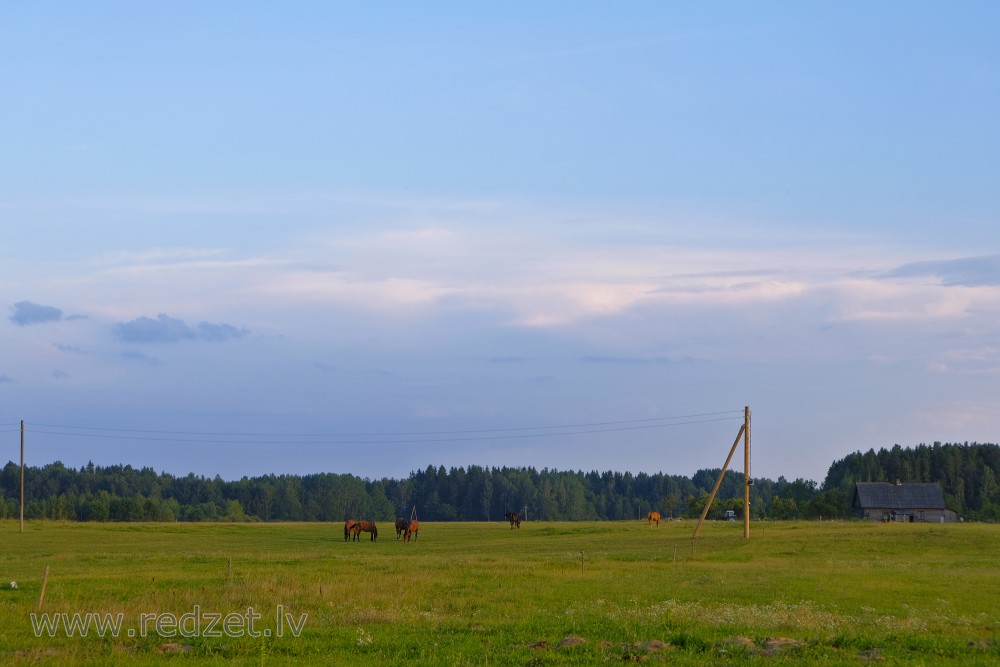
[823, 593]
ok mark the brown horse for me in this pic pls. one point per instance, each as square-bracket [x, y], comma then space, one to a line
[403, 528]
[367, 527]
[348, 525]
[653, 517]
[414, 527]
[355, 531]
[515, 520]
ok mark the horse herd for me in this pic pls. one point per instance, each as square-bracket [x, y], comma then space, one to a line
[405, 528]
[408, 528]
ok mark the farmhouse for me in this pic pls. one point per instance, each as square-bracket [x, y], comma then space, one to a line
[882, 501]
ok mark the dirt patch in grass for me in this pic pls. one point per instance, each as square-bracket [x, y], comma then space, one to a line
[572, 641]
[174, 647]
[768, 647]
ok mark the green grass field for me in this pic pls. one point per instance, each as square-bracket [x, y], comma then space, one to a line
[834, 593]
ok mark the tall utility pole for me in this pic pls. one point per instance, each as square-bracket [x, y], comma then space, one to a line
[746, 469]
[22, 475]
[744, 434]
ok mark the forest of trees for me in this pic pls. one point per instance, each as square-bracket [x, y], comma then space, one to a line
[968, 474]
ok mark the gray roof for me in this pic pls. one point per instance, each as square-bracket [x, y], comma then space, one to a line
[883, 495]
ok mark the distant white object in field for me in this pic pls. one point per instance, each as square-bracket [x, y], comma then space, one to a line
[13, 584]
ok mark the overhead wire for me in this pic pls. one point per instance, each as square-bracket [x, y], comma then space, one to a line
[401, 437]
[391, 433]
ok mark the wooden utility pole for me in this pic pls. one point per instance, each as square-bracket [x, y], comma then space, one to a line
[744, 434]
[746, 473]
[22, 475]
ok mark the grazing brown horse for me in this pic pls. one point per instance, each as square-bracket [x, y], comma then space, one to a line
[515, 520]
[653, 517]
[367, 527]
[348, 525]
[355, 531]
[403, 528]
[414, 527]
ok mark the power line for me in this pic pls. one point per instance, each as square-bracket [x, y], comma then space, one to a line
[391, 433]
[504, 434]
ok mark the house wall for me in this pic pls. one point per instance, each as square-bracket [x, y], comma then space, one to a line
[925, 515]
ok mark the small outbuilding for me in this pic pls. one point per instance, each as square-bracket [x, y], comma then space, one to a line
[884, 501]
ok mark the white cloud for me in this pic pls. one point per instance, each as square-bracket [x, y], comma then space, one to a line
[909, 300]
[159, 256]
[527, 268]
[312, 287]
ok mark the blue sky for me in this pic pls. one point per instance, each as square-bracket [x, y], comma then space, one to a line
[243, 238]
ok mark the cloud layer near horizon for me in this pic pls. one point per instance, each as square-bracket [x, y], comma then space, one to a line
[585, 282]
[512, 278]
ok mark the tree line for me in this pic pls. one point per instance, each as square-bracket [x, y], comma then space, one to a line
[968, 474]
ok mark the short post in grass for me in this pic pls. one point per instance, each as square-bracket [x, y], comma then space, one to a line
[45, 580]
